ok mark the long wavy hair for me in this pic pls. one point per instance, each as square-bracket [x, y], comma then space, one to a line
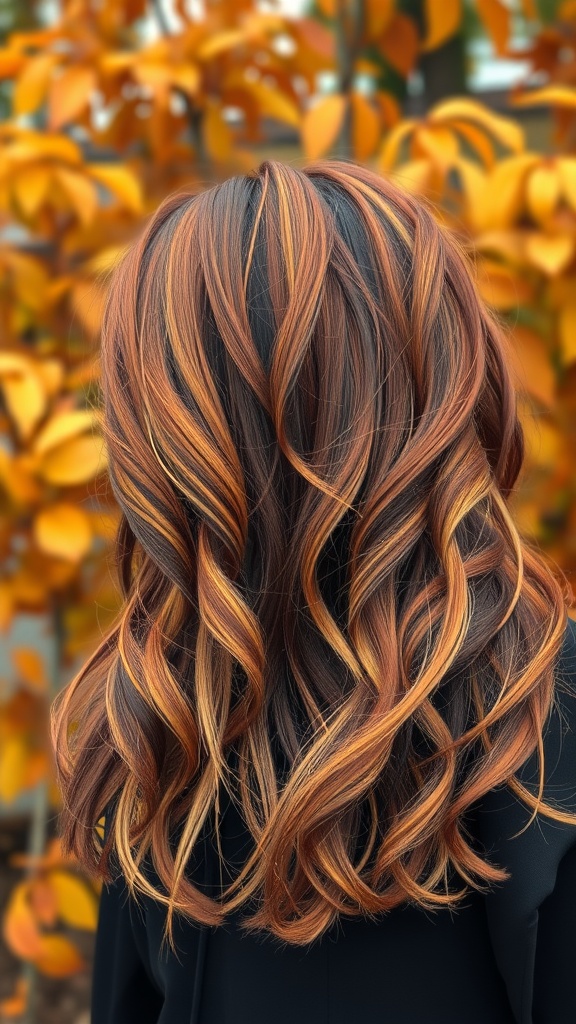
[328, 610]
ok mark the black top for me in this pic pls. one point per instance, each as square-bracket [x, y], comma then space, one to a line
[508, 957]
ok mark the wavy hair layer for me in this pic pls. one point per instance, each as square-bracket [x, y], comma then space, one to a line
[328, 608]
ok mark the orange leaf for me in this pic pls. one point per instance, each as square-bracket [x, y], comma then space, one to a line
[442, 21]
[80, 191]
[500, 286]
[555, 95]
[532, 365]
[13, 754]
[274, 103]
[63, 530]
[567, 328]
[70, 94]
[365, 127]
[121, 181]
[74, 462]
[31, 186]
[437, 143]
[15, 1005]
[20, 928]
[393, 142]
[30, 668]
[77, 904]
[378, 14]
[501, 200]
[549, 253]
[220, 42]
[58, 957]
[43, 901]
[321, 125]
[399, 44]
[31, 86]
[217, 135]
[567, 172]
[496, 18]
[25, 398]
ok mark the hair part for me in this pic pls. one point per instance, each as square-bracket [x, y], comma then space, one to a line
[328, 609]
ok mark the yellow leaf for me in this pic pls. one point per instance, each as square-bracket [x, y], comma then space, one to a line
[74, 462]
[30, 668]
[61, 427]
[51, 372]
[567, 329]
[13, 755]
[543, 192]
[58, 957]
[31, 186]
[41, 146]
[81, 193]
[414, 175]
[567, 171]
[442, 21]
[496, 18]
[121, 181]
[321, 125]
[476, 138]
[460, 108]
[220, 42]
[217, 135]
[70, 94]
[365, 127]
[106, 259]
[500, 287]
[507, 244]
[438, 143]
[31, 86]
[549, 253]
[543, 442]
[63, 530]
[77, 906]
[532, 365]
[471, 178]
[87, 299]
[274, 103]
[186, 77]
[393, 141]
[20, 928]
[500, 201]
[555, 95]
[25, 401]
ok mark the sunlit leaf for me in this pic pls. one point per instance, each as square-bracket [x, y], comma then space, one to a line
[63, 530]
[121, 181]
[274, 103]
[437, 143]
[500, 201]
[77, 905]
[31, 187]
[497, 21]
[555, 95]
[32, 84]
[500, 286]
[400, 44]
[58, 957]
[442, 21]
[63, 426]
[567, 173]
[543, 192]
[74, 462]
[80, 191]
[25, 399]
[531, 363]
[365, 126]
[70, 93]
[461, 108]
[549, 253]
[321, 125]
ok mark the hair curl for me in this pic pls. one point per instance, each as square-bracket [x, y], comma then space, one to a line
[328, 609]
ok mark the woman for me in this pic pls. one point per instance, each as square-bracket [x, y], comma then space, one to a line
[333, 730]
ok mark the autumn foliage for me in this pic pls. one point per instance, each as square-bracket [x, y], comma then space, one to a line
[120, 102]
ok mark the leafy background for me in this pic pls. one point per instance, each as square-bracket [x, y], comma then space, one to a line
[106, 107]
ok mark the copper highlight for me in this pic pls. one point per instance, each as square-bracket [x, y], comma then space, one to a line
[328, 609]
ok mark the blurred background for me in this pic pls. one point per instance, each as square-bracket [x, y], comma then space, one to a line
[105, 107]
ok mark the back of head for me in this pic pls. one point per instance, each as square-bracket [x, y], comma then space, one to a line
[328, 611]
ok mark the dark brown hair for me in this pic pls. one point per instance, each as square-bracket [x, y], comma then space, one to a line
[328, 611]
